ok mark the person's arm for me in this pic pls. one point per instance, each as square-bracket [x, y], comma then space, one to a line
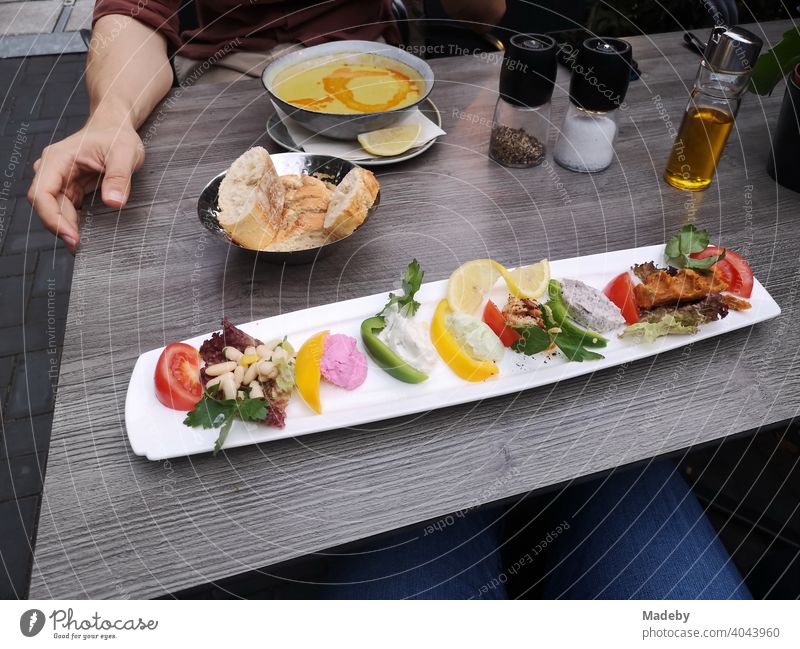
[481, 15]
[127, 74]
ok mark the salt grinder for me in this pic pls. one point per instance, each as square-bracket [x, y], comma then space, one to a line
[597, 89]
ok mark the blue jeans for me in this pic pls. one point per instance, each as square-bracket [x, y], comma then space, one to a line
[636, 534]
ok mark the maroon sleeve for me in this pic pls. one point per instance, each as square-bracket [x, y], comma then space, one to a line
[161, 16]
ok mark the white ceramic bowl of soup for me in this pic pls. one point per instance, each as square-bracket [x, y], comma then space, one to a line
[346, 88]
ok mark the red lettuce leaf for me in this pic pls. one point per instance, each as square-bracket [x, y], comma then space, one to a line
[230, 336]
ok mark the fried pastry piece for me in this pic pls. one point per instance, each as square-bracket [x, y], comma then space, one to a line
[687, 285]
[736, 303]
[522, 312]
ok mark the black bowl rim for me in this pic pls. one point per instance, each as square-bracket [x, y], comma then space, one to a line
[283, 254]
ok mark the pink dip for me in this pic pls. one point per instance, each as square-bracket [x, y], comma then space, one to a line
[342, 364]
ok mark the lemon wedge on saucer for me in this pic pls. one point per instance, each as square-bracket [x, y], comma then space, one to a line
[470, 282]
[390, 141]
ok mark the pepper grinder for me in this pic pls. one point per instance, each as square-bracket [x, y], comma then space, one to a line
[522, 114]
[597, 89]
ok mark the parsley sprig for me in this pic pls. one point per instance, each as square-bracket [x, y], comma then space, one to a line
[687, 241]
[211, 412]
[412, 280]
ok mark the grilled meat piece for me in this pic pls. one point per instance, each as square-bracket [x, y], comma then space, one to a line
[522, 312]
[687, 285]
[710, 308]
[736, 303]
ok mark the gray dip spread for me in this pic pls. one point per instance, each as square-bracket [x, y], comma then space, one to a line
[590, 307]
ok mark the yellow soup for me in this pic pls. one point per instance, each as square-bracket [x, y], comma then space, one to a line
[349, 85]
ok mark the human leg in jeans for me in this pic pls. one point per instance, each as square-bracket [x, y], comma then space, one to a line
[455, 557]
[639, 534]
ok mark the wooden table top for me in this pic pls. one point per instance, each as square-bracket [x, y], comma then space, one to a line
[116, 525]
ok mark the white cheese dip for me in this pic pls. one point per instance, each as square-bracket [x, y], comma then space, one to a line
[409, 339]
[590, 307]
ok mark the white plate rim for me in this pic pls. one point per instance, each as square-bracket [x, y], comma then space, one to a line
[143, 412]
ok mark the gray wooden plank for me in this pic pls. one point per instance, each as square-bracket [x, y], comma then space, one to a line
[114, 525]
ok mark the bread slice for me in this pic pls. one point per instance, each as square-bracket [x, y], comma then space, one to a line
[251, 200]
[305, 204]
[350, 202]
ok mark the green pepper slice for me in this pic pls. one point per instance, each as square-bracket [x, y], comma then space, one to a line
[572, 347]
[562, 320]
[384, 357]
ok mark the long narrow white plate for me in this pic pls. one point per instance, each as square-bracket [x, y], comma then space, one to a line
[158, 432]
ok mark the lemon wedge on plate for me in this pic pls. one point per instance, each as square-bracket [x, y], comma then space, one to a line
[470, 282]
[390, 141]
[529, 281]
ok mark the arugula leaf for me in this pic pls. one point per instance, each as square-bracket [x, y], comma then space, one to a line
[702, 264]
[534, 340]
[683, 244]
[211, 412]
[574, 350]
[687, 241]
[571, 345]
[412, 280]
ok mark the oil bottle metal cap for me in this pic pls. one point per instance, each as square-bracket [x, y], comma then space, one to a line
[529, 70]
[732, 49]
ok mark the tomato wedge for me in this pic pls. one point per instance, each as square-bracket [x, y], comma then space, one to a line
[733, 266]
[178, 377]
[620, 292]
[493, 317]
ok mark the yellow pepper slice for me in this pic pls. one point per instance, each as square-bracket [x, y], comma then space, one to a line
[248, 359]
[307, 373]
[452, 353]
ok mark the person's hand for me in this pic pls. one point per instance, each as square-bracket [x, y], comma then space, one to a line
[102, 153]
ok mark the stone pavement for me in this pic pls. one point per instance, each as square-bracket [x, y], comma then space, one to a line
[35, 276]
[41, 27]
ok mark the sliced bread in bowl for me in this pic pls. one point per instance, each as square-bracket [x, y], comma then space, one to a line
[251, 198]
[350, 202]
[305, 204]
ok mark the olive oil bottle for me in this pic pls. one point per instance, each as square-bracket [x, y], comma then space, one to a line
[722, 78]
[698, 147]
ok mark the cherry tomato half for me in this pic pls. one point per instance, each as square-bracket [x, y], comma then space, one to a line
[493, 317]
[734, 266]
[178, 377]
[620, 292]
